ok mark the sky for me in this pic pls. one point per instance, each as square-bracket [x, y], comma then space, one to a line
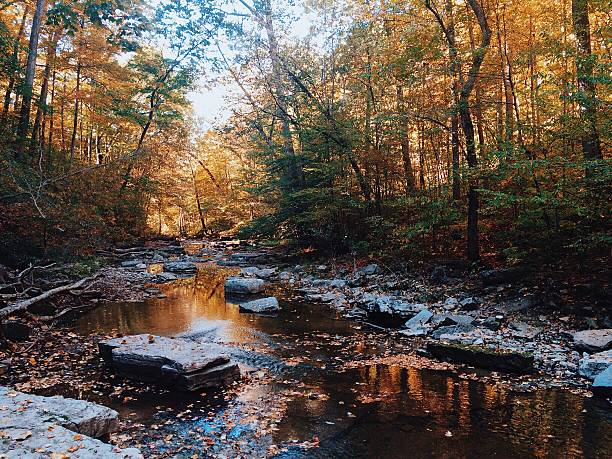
[209, 104]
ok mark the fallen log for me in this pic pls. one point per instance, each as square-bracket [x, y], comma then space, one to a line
[24, 304]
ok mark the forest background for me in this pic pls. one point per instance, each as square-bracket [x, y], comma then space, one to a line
[477, 129]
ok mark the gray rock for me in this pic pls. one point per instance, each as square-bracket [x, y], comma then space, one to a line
[453, 330]
[285, 276]
[16, 331]
[370, 270]
[523, 330]
[243, 285]
[415, 331]
[253, 271]
[419, 320]
[49, 440]
[519, 304]
[165, 277]
[591, 366]
[451, 303]
[338, 283]
[323, 297]
[603, 382]
[178, 363]
[452, 319]
[593, 340]
[180, 267]
[263, 305]
[28, 411]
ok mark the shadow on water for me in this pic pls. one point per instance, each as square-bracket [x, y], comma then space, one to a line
[374, 411]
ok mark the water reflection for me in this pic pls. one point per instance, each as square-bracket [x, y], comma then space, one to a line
[377, 410]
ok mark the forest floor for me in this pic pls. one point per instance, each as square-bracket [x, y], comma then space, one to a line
[511, 310]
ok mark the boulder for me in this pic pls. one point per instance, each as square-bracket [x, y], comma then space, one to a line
[593, 340]
[174, 362]
[180, 267]
[243, 285]
[591, 366]
[420, 319]
[262, 273]
[52, 441]
[603, 382]
[524, 331]
[27, 411]
[389, 310]
[484, 357]
[370, 270]
[16, 331]
[263, 305]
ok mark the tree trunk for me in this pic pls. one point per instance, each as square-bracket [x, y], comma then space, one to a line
[473, 245]
[24, 119]
[15, 62]
[405, 141]
[585, 64]
[75, 117]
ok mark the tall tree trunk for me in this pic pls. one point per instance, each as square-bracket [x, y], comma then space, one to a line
[473, 244]
[585, 64]
[15, 62]
[44, 90]
[28, 84]
[75, 116]
[404, 140]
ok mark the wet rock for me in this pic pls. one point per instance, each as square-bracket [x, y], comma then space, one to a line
[389, 310]
[603, 382]
[501, 276]
[593, 340]
[523, 330]
[263, 305]
[591, 366]
[420, 319]
[323, 297]
[52, 441]
[262, 273]
[165, 277]
[451, 303]
[77, 415]
[484, 357]
[370, 270]
[16, 331]
[470, 303]
[452, 319]
[180, 267]
[177, 363]
[243, 285]
[453, 330]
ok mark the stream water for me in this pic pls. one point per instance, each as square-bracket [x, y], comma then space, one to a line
[378, 411]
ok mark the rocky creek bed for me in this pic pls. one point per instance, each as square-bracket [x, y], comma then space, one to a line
[342, 364]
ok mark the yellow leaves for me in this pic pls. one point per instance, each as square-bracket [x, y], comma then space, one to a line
[32, 361]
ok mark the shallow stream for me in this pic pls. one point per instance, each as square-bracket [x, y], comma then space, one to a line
[378, 410]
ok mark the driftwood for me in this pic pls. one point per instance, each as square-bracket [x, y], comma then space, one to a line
[24, 304]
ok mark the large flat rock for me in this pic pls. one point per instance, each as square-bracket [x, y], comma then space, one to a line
[593, 340]
[180, 363]
[262, 305]
[33, 426]
[595, 364]
[243, 286]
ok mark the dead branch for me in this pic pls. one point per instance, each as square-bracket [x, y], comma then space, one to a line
[22, 305]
